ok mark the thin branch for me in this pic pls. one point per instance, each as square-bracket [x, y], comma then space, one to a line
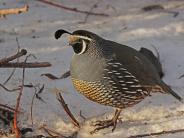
[71, 9]
[32, 101]
[37, 136]
[4, 119]
[91, 9]
[50, 76]
[9, 90]
[82, 116]
[29, 85]
[153, 7]
[39, 92]
[16, 128]
[7, 107]
[157, 133]
[10, 76]
[159, 8]
[17, 55]
[18, 44]
[25, 65]
[65, 75]
[53, 77]
[181, 76]
[64, 105]
[4, 12]
[13, 71]
[51, 133]
[5, 62]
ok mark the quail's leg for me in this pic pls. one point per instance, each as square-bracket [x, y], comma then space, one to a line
[107, 123]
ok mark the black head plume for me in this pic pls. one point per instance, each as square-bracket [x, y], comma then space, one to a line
[60, 32]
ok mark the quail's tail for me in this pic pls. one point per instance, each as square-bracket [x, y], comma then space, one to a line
[167, 89]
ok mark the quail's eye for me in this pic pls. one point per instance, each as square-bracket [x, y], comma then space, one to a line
[80, 47]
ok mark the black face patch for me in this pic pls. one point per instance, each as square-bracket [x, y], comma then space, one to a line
[77, 47]
[80, 46]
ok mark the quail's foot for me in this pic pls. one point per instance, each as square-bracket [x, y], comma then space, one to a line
[107, 123]
[104, 124]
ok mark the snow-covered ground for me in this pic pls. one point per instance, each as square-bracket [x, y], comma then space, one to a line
[127, 24]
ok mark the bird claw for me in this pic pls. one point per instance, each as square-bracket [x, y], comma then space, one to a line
[103, 124]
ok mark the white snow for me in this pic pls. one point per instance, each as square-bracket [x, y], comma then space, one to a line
[127, 24]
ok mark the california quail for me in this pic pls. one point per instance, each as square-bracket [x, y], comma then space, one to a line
[111, 74]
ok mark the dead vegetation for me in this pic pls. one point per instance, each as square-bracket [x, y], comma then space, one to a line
[12, 112]
[9, 115]
[5, 12]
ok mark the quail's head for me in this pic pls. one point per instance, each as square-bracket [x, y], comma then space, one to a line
[88, 50]
[83, 42]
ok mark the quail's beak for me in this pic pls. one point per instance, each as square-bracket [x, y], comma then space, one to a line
[73, 39]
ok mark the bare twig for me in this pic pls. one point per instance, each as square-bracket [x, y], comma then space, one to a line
[71, 9]
[9, 90]
[17, 55]
[160, 8]
[29, 85]
[65, 75]
[4, 12]
[64, 105]
[50, 76]
[53, 133]
[10, 76]
[25, 65]
[18, 44]
[13, 71]
[7, 107]
[181, 76]
[16, 128]
[82, 116]
[153, 7]
[50, 132]
[38, 136]
[35, 95]
[39, 92]
[53, 77]
[5, 62]
[91, 9]
[32, 101]
[4, 119]
[157, 133]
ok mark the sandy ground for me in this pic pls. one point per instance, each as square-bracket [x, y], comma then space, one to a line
[127, 24]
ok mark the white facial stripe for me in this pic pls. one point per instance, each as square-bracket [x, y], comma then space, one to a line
[83, 46]
[83, 37]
